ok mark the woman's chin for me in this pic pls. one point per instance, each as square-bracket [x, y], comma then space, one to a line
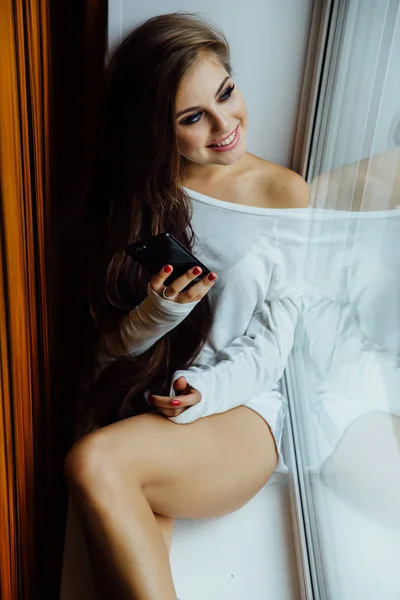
[230, 158]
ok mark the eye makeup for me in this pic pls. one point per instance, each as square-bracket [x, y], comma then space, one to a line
[195, 118]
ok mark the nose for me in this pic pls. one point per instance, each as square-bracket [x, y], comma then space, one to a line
[220, 123]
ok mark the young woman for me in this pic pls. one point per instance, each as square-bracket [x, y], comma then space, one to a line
[184, 410]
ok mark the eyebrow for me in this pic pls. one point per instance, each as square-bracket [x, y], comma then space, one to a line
[182, 112]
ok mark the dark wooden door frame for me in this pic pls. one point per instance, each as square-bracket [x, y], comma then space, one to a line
[51, 65]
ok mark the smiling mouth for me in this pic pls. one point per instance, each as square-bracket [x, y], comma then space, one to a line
[228, 140]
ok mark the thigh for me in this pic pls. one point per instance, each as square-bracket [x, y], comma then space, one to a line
[203, 469]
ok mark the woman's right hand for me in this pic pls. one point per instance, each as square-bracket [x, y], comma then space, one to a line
[175, 292]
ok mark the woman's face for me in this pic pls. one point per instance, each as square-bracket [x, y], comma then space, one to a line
[208, 110]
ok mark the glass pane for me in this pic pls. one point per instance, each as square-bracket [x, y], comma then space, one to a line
[344, 373]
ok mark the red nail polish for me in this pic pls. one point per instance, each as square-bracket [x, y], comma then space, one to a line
[196, 271]
[212, 277]
[167, 269]
[175, 402]
[151, 399]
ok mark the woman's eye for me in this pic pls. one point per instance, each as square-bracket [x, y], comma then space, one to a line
[190, 120]
[228, 92]
[197, 116]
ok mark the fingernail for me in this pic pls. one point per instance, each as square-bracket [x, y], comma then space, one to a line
[167, 269]
[212, 277]
[151, 399]
[196, 271]
[175, 402]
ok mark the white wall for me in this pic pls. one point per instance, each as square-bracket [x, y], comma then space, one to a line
[268, 44]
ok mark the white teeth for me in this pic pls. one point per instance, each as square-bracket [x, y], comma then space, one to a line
[227, 141]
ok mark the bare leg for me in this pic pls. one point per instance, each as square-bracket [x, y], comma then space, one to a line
[109, 522]
[166, 525]
[105, 581]
[120, 475]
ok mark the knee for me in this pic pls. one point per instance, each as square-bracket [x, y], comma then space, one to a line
[86, 463]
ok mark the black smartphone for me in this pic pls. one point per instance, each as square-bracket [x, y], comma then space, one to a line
[164, 249]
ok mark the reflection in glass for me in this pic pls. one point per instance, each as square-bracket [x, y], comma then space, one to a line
[344, 372]
[347, 362]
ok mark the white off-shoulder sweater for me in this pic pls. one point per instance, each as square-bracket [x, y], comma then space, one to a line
[258, 254]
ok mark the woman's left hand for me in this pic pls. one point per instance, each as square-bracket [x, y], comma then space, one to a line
[172, 407]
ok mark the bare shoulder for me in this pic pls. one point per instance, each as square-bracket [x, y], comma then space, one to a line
[284, 188]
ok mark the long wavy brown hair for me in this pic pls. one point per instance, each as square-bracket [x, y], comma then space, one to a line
[134, 194]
